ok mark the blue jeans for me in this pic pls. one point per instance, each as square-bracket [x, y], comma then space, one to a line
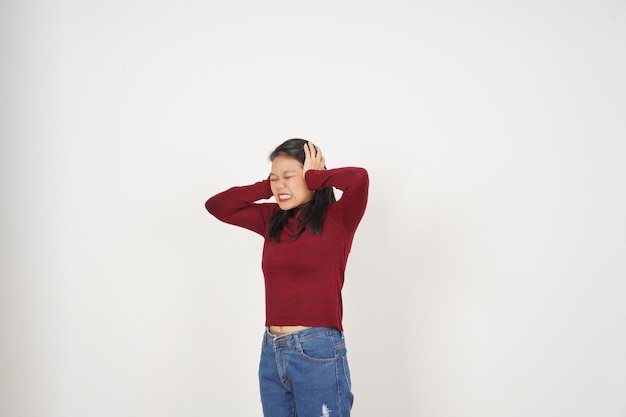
[305, 374]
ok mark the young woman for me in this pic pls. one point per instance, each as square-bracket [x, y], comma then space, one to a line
[308, 235]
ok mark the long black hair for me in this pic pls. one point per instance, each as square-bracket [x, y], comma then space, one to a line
[309, 216]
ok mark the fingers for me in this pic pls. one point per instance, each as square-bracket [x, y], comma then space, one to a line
[313, 151]
[310, 150]
[307, 151]
[314, 155]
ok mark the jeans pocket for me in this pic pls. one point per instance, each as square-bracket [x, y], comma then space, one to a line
[318, 349]
[346, 372]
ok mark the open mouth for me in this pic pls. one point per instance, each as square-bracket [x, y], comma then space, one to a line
[283, 197]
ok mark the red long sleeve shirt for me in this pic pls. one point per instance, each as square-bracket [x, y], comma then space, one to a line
[303, 278]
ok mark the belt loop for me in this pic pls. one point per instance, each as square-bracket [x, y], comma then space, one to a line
[296, 339]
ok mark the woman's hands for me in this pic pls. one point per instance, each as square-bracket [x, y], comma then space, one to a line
[313, 158]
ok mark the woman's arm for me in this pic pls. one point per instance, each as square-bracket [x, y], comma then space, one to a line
[353, 182]
[237, 206]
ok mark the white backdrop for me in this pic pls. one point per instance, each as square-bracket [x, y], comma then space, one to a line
[487, 277]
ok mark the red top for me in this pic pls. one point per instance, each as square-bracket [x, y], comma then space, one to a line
[303, 278]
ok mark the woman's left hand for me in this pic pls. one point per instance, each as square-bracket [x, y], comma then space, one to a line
[313, 158]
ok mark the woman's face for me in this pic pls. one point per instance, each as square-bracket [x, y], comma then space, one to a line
[287, 183]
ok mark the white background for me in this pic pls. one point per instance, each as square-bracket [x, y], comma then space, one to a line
[487, 278]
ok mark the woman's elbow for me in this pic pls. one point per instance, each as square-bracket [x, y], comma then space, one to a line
[211, 206]
[361, 176]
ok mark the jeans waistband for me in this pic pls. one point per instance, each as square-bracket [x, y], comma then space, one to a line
[291, 339]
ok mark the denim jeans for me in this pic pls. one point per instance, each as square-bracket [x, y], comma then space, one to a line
[305, 374]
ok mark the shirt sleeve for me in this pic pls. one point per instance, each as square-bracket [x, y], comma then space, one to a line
[237, 206]
[354, 184]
